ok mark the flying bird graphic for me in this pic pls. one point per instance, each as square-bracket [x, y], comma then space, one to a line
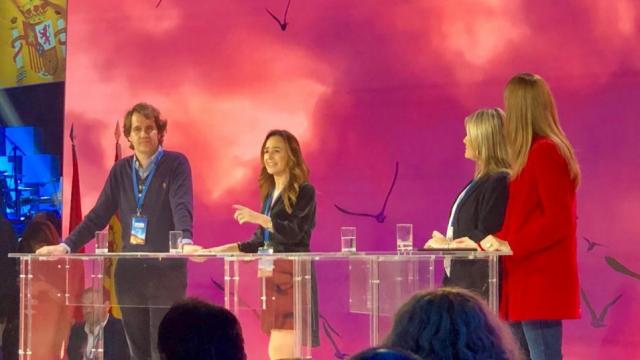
[243, 303]
[328, 330]
[591, 244]
[597, 320]
[283, 24]
[617, 266]
[380, 217]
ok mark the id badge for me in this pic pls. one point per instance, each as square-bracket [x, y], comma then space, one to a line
[138, 230]
[265, 265]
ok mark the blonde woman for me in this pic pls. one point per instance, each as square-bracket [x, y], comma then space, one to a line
[479, 208]
[284, 224]
[540, 281]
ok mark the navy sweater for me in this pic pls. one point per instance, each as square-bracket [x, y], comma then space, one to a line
[168, 205]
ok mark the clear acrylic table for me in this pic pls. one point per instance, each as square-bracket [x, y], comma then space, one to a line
[335, 303]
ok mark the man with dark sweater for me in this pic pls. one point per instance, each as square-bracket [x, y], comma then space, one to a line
[152, 191]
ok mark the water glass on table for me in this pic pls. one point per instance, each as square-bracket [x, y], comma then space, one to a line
[404, 237]
[348, 239]
[102, 242]
[175, 242]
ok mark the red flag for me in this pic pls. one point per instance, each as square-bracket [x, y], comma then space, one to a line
[116, 134]
[115, 243]
[76, 268]
[75, 208]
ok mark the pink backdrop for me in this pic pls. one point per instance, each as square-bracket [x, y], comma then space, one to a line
[363, 85]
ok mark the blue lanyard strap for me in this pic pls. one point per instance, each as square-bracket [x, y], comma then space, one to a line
[134, 175]
[266, 234]
[454, 209]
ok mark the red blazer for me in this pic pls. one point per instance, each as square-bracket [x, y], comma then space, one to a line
[540, 280]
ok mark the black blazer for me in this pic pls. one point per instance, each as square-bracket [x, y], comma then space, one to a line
[115, 341]
[291, 232]
[480, 213]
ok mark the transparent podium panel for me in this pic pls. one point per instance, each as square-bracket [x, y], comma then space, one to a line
[311, 305]
[77, 306]
[49, 303]
[342, 303]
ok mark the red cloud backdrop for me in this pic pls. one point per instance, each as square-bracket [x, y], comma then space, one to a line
[365, 84]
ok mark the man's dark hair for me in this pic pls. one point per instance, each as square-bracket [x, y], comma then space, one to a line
[451, 323]
[196, 330]
[381, 353]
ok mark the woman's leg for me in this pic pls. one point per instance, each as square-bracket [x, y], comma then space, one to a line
[281, 343]
[544, 338]
[518, 334]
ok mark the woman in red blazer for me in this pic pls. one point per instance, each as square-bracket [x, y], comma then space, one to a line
[540, 281]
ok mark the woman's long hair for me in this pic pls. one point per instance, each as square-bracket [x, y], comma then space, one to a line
[486, 137]
[531, 111]
[451, 323]
[38, 233]
[298, 170]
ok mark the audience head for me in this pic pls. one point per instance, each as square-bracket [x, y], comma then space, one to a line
[38, 233]
[451, 323]
[95, 306]
[384, 354]
[52, 216]
[196, 330]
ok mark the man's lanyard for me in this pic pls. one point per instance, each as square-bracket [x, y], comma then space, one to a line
[140, 195]
[267, 211]
[90, 351]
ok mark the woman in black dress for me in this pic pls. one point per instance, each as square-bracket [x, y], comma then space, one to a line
[285, 223]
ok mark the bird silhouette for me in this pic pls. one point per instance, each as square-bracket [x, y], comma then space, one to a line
[283, 24]
[328, 330]
[597, 320]
[380, 217]
[618, 267]
[243, 303]
[591, 244]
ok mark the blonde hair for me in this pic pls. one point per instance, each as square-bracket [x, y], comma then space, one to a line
[298, 171]
[486, 138]
[531, 111]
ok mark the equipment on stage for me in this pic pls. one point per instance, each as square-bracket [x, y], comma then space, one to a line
[29, 181]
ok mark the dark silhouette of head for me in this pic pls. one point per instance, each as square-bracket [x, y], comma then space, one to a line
[196, 330]
[38, 233]
[52, 216]
[451, 323]
[95, 312]
[380, 353]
